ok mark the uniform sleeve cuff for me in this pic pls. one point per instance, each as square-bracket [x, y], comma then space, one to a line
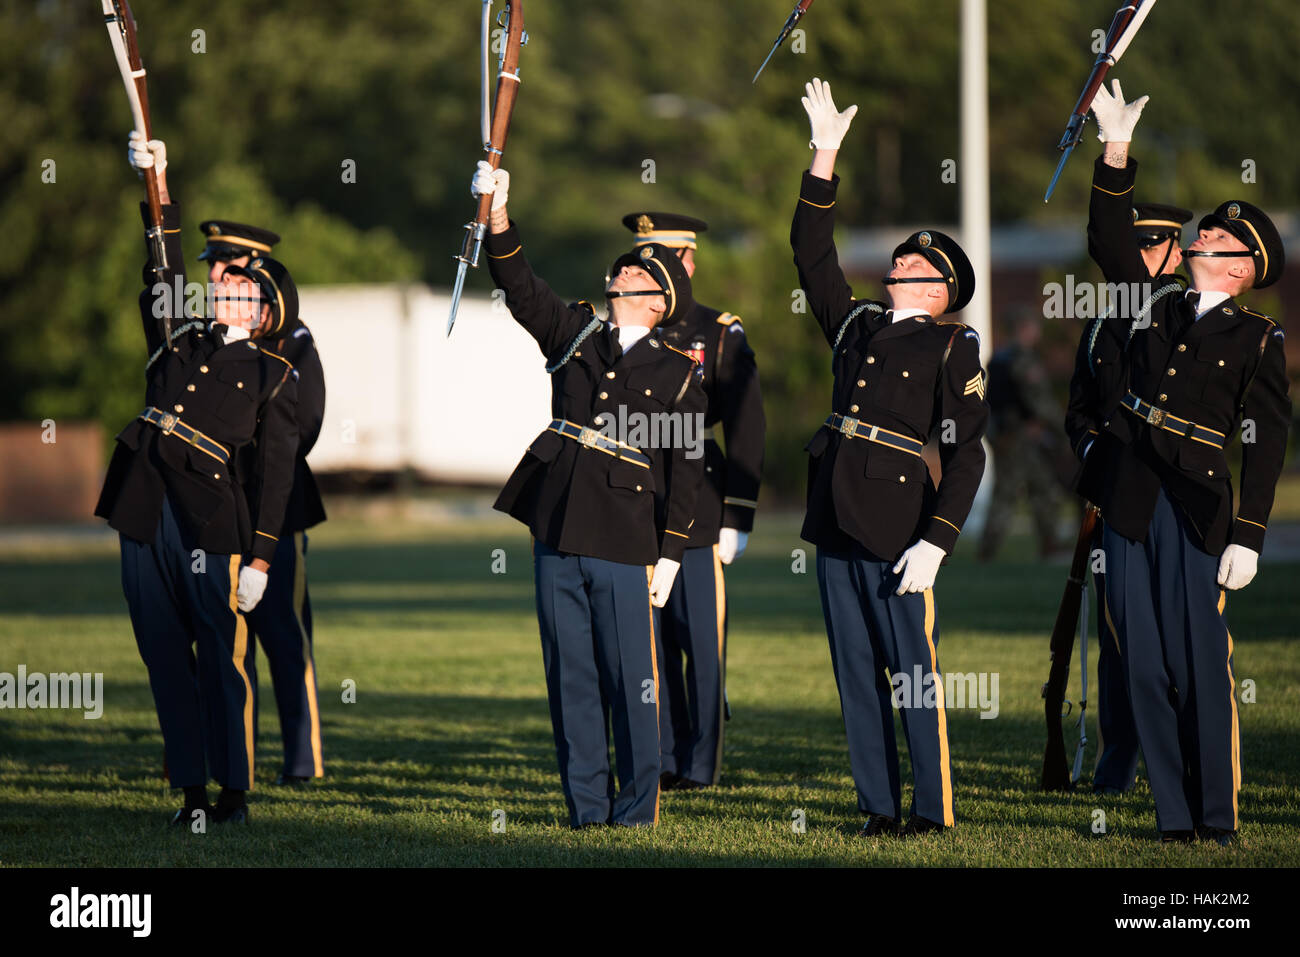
[673, 546]
[1248, 534]
[1111, 179]
[737, 516]
[819, 192]
[942, 533]
[503, 245]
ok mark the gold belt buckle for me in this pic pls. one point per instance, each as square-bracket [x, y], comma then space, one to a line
[588, 437]
[1156, 417]
[168, 423]
[849, 426]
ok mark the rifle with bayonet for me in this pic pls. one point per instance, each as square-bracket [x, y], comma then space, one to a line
[800, 9]
[1124, 26]
[511, 19]
[1056, 773]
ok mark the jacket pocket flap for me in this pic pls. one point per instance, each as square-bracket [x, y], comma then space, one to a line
[817, 444]
[546, 446]
[625, 475]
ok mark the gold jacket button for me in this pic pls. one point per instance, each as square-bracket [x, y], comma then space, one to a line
[216, 475]
[578, 354]
[1172, 370]
[853, 408]
[203, 368]
[609, 375]
[178, 407]
[902, 478]
[599, 420]
[1163, 397]
[647, 391]
[1182, 347]
[904, 373]
[638, 488]
[1220, 362]
[239, 385]
[190, 387]
[1210, 472]
[862, 383]
[871, 360]
[604, 395]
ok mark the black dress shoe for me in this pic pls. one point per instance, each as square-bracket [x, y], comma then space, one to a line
[920, 825]
[1177, 837]
[1217, 835]
[233, 815]
[668, 781]
[185, 816]
[289, 780]
[879, 824]
[586, 824]
[687, 784]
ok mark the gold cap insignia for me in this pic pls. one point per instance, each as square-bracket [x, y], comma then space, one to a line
[213, 229]
[646, 252]
[644, 224]
[923, 239]
[1233, 211]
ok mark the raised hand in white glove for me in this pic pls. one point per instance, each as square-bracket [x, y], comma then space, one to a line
[918, 565]
[661, 582]
[1115, 118]
[252, 585]
[1237, 566]
[828, 124]
[146, 154]
[490, 182]
[731, 544]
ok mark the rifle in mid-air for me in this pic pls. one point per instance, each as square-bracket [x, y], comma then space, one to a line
[494, 129]
[121, 34]
[800, 9]
[1125, 25]
[1073, 607]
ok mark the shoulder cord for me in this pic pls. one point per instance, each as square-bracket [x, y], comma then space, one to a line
[176, 334]
[573, 346]
[844, 326]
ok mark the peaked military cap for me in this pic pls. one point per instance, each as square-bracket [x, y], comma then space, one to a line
[942, 252]
[666, 268]
[1249, 224]
[667, 229]
[227, 240]
[1157, 222]
[278, 291]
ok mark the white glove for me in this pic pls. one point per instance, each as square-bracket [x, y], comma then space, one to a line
[1115, 118]
[490, 182]
[252, 584]
[146, 154]
[731, 544]
[1237, 566]
[661, 583]
[828, 125]
[918, 566]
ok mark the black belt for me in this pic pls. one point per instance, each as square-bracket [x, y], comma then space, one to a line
[1158, 417]
[172, 425]
[592, 439]
[856, 429]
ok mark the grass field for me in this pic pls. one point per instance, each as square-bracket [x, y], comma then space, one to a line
[450, 723]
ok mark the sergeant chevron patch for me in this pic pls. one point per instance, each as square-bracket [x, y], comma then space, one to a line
[975, 384]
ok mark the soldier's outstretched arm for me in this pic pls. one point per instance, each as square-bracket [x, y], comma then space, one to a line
[812, 231]
[535, 306]
[1112, 242]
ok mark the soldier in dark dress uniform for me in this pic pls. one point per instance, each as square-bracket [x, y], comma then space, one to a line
[880, 525]
[693, 707]
[282, 621]
[1159, 230]
[1179, 380]
[194, 553]
[608, 491]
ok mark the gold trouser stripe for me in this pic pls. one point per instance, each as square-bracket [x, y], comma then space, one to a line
[1236, 726]
[309, 677]
[945, 771]
[1110, 623]
[241, 649]
[654, 668]
[720, 600]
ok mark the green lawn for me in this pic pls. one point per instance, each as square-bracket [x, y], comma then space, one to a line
[450, 723]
